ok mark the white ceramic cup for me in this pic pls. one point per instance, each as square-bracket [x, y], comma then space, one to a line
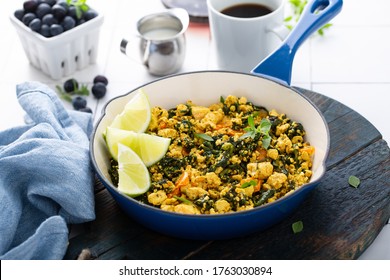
[241, 43]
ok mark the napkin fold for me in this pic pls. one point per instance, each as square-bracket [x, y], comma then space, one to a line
[46, 177]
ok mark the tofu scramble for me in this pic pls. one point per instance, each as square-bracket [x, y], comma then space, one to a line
[214, 166]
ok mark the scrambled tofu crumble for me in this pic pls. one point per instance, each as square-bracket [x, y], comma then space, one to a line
[211, 167]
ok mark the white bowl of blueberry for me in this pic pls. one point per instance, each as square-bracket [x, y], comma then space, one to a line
[58, 36]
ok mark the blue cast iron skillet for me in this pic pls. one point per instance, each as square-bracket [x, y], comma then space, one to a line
[267, 85]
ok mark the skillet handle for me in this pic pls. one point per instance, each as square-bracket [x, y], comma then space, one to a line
[278, 65]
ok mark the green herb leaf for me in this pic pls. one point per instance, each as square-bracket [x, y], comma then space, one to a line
[59, 89]
[63, 94]
[297, 227]
[264, 197]
[251, 122]
[266, 141]
[354, 181]
[84, 7]
[79, 13]
[204, 136]
[265, 126]
[82, 91]
[182, 199]
[263, 129]
[80, 6]
[67, 96]
[248, 134]
[297, 8]
[248, 184]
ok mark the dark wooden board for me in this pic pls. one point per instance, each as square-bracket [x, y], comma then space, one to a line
[340, 221]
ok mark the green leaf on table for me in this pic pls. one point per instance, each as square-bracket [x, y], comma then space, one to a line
[354, 181]
[297, 226]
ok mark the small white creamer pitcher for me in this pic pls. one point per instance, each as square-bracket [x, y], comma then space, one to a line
[162, 42]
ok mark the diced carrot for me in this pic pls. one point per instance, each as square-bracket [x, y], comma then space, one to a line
[225, 122]
[185, 152]
[183, 180]
[262, 154]
[258, 186]
[162, 125]
[176, 191]
[231, 132]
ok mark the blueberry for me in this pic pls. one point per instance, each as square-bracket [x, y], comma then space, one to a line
[35, 25]
[64, 4]
[50, 2]
[30, 6]
[72, 12]
[19, 14]
[58, 11]
[86, 110]
[71, 85]
[56, 29]
[79, 102]
[100, 79]
[99, 90]
[45, 30]
[43, 9]
[49, 19]
[90, 14]
[80, 21]
[27, 18]
[68, 23]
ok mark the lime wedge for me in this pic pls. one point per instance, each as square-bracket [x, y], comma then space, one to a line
[113, 136]
[149, 148]
[134, 178]
[136, 114]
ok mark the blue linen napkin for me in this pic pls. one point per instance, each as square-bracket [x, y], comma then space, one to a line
[46, 178]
